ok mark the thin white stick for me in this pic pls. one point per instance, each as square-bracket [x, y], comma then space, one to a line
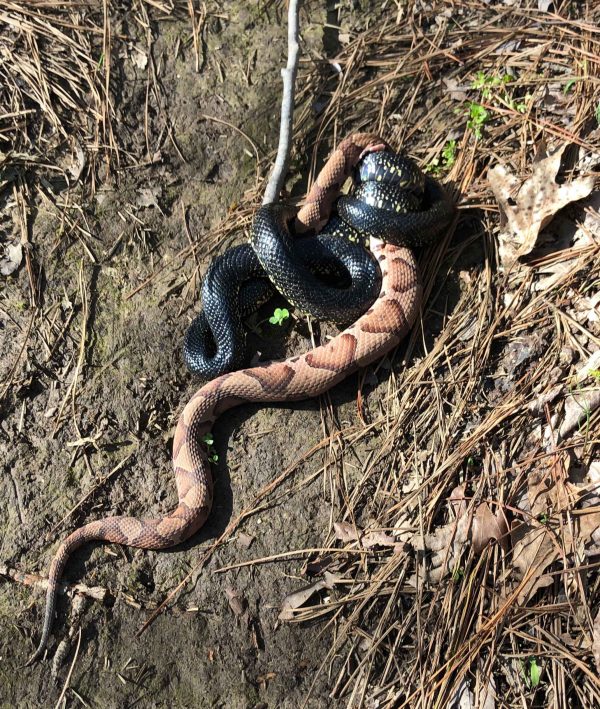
[287, 108]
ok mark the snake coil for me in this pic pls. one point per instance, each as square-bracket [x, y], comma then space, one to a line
[387, 201]
[426, 214]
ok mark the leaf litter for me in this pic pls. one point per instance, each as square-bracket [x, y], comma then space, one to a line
[527, 206]
[453, 461]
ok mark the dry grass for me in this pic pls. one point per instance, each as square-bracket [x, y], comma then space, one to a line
[414, 628]
[408, 637]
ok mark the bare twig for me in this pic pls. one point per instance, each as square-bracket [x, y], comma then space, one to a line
[287, 108]
[96, 592]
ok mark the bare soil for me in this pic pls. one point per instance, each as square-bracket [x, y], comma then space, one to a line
[121, 198]
[101, 380]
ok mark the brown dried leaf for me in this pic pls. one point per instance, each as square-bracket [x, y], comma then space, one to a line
[457, 500]
[529, 205]
[237, 602]
[537, 546]
[457, 92]
[346, 532]
[578, 409]
[488, 526]
[13, 255]
[294, 600]
[148, 197]
[549, 489]
[596, 641]
[375, 538]
[245, 540]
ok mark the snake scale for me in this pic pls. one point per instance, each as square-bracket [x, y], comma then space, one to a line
[373, 334]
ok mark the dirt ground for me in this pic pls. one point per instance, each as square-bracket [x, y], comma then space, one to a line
[71, 419]
[92, 378]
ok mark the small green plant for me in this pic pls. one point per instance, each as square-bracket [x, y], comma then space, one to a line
[493, 89]
[543, 518]
[457, 574]
[535, 672]
[447, 160]
[486, 83]
[449, 154]
[209, 441]
[473, 463]
[569, 85]
[595, 373]
[531, 672]
[279, 316]
[478, 116]
[597, 113]
[520, 106]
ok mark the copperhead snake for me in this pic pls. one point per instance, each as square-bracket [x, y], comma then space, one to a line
[376, 332]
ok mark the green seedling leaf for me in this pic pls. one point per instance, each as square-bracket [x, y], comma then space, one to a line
[535, 672]
[478, 115]
[208, 439]
[449, 154]
[458, 574]
[279, 316]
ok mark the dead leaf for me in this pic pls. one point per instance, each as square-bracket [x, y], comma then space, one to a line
[549, 489]
[457, 92]
[78, 163]
[148, 197]
[237, 602]
[245, 540]
[457, 500]
[488, 526]
[375, 538]
[538, 544]
[13, 255]
[596, 641]
[553, 273]
[293, 601]
[346, 532]
[465, 698]
[528, 206]
[139, 58]
[578, 409]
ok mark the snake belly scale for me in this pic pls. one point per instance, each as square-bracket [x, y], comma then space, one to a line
[372, 335]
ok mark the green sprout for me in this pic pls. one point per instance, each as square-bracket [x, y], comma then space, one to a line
[279, 316]
[535, 672]
[597, 113]
[494, 89]
[209, 441]
[478, 116]
[457, 574]
[486, 83]
[449, 154]
[543, 518]
[595, 373]
[530, 672]
[447, 161]
[569, 85]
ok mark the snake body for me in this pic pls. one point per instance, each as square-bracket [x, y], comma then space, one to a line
[374, 333]
[236, 284]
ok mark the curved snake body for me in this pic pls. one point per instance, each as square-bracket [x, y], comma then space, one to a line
[376, 332]
[236, 285]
